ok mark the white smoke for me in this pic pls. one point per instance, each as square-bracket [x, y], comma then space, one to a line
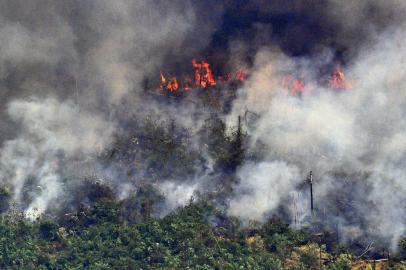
[260, 189]
[51, 132]
[99, 53]
[177, 194]
[83, 66]
[134, 39]
[361, 130]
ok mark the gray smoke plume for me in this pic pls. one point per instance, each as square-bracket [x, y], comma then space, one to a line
[51, 132]
[353, 140]
[74, 75]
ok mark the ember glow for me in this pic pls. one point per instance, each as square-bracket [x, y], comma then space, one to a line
[240, 75]
[203, 78]
[203, 74]
[338, 80]
[78, 79]
[294, 85]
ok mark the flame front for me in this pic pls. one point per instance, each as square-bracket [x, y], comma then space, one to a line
[172, 85]
[338, 80]
[163, 82]
[203, 74]
[203, 78]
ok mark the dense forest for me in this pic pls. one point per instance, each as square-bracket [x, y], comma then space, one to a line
[216, 134]
[197, 236]
[96, 229]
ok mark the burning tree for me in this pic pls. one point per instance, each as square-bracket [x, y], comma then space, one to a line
[203, 78]
[203, 75]
[338, 81]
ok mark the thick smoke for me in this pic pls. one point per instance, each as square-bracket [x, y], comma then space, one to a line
[51, 133]
[72, 76]
[301, 28]
[177, 194]
[75, 75]
[353, 140]
[259, 193]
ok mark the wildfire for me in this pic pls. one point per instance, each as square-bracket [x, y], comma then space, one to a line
[240, 75]
[338, 81]
[203, 74]
[172, 84]
[203, 78]
[295, 85]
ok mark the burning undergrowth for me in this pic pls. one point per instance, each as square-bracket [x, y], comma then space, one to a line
[103, 100]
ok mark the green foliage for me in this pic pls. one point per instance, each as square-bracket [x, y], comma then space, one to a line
[339, 265]
[280, 238]
[310, 259]
[105, 233]
[156, 149]
[197, 236]
[402, 246]
[5, 196]
[225, 146]
[48, 229]
[146, 199]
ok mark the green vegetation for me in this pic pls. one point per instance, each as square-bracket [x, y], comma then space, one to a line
[197, 236]
[93, 229]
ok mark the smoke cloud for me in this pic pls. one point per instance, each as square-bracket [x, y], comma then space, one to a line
[71, 74]
[51, 132]
[75, 75]
[354, 137]
[259, 193]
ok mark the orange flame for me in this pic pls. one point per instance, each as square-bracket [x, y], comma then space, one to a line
[338, 81]
[203, 78]
[163, 82]
[172, 85]
[203, 74]
[294, 85]
[240, 75]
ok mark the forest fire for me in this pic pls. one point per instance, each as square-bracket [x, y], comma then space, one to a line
[203, 134]
[170, 85]
[294, 85]
[203, 74]
[338, 80]
[203, 78]
[297, 85]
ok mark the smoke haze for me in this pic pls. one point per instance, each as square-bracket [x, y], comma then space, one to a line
[339, 135]
[74, 77]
